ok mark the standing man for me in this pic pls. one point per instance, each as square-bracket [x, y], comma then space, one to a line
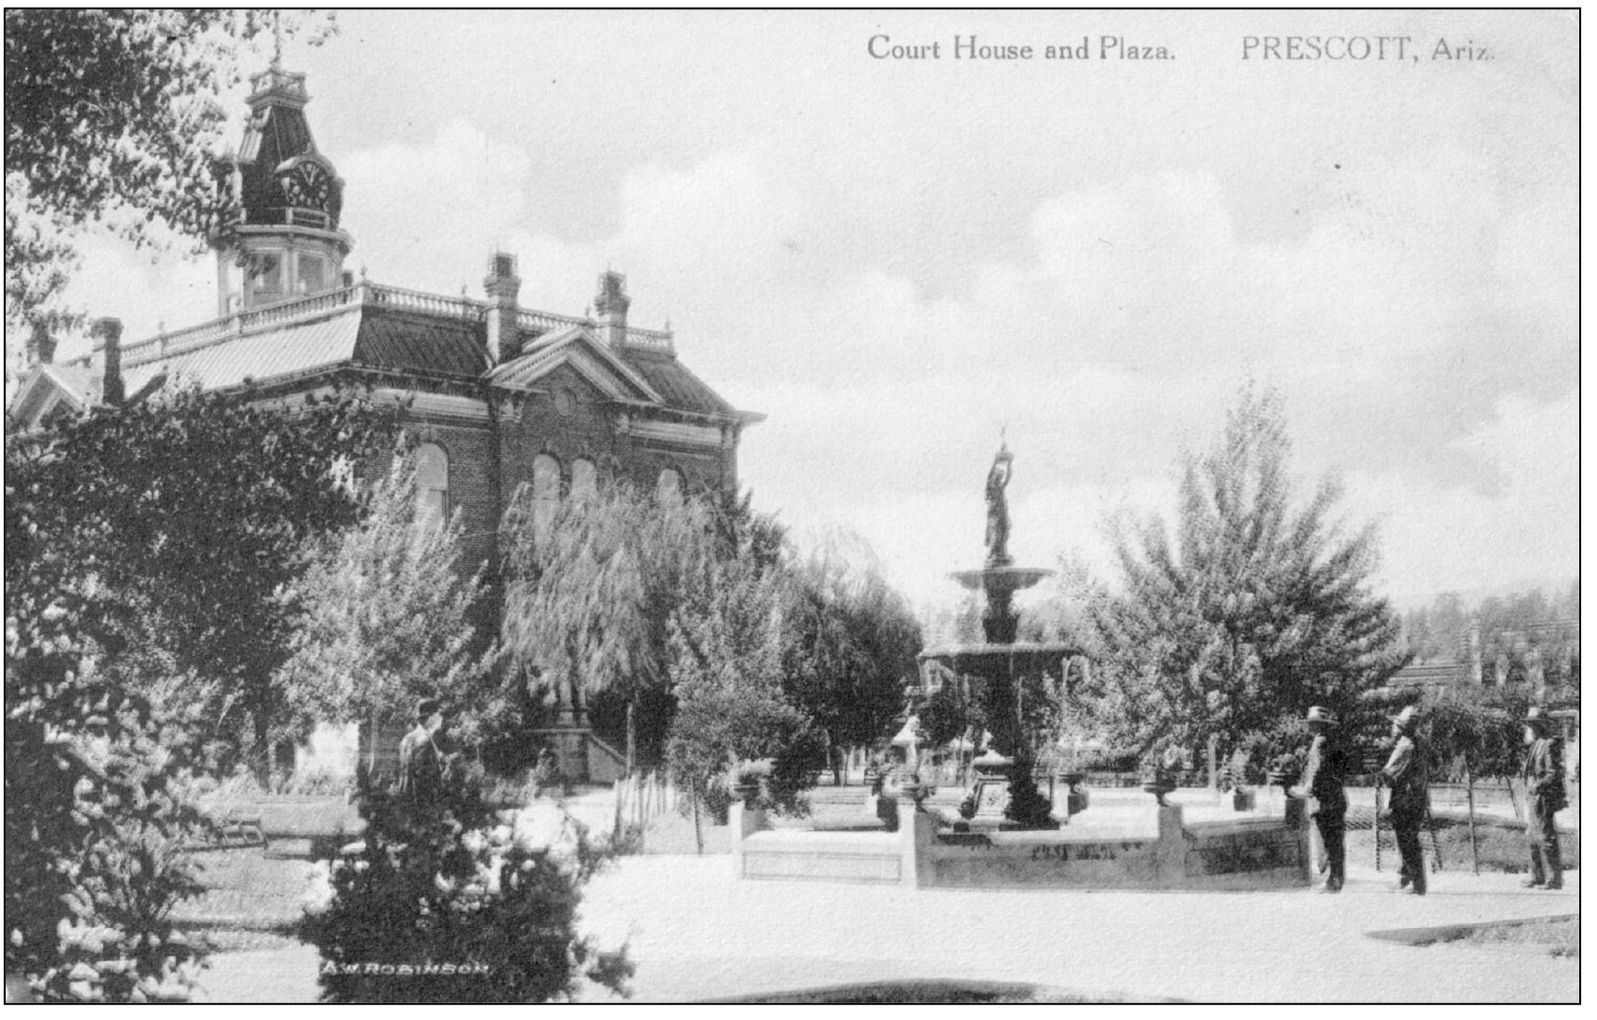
[421, 764]
[1323, 775]
[1544, 789]
[1410, 798]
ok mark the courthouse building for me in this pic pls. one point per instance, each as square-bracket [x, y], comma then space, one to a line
[498, 394]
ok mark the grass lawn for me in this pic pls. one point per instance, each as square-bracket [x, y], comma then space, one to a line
[1500, 848]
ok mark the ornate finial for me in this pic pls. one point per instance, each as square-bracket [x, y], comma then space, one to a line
[277, 40]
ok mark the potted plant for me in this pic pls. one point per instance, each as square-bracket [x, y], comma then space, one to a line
[1284, 770]
[747, 778]
[1159, 775]
[1234, 779]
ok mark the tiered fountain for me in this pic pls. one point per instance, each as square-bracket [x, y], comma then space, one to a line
[1008, 833]
[1005, 795]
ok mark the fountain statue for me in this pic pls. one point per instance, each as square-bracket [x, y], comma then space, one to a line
[1005, 794]
[998, 509]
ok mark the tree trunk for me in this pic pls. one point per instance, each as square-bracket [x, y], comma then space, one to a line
[1469, 791]
[371, 747]
[632, 736]
[263, 752]
[698, 832]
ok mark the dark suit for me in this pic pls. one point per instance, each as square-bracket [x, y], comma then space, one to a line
[1324, 772]
[1544, 787]
[421, 767]
[1410, 800]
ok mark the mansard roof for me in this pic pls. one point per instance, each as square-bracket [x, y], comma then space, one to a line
[409, 333]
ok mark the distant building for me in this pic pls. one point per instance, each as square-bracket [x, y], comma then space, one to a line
[499, 395]
[1543, 660]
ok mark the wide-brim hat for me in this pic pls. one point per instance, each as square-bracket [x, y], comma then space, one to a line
[1406, 719]
[1323, 716]
[426, 707]
[1537, 719]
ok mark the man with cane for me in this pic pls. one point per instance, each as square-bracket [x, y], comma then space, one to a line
[1322, 779]
[1544, 790]
[1410, 799]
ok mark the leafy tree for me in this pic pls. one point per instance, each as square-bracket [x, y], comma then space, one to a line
[1477, 731]
[589, 597]
[384, 617]
[849, 649]
[1255, 607]
[113, 117]
[181, 520]
[727, 675]
[95, 805]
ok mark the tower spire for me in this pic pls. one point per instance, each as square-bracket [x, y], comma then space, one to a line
[277, 40]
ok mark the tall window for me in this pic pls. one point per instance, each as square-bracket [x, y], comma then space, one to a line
[266, 279]
[669, 488]
[545, 493]
[432, 484]
[314, 276]
[584, 480]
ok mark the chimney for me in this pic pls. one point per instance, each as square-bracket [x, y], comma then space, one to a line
[611, 307]
[109, 333]
[502, 285]
[41, 345]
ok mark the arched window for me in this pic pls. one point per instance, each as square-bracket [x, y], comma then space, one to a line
[432, 484]
[545, 492]
[584, 480]
[669, 488]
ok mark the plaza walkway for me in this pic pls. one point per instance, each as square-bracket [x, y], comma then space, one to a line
[695, 933]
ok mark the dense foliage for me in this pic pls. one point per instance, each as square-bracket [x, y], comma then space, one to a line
[727, 676]
[115, 117]
[1253, 607]
[444, 903]
[699, 617]
[590, 593]
[185, 518]
[95, 812]
[850, 648]
[384, 616]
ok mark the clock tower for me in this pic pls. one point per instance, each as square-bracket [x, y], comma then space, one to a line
[285, 242]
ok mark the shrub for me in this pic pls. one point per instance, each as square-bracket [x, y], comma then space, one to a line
[95, 826]
[96, 812]
[446, 886]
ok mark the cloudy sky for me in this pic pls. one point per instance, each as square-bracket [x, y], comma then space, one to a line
[897, 259]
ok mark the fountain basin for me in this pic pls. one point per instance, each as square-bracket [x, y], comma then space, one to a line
[1000, 579]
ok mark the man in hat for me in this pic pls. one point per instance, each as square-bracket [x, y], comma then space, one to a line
[1410, 797]
[1323, 775]
[421, 764]
[1544, 787]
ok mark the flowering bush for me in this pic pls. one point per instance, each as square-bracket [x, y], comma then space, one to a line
[96, 803]
[449, 904]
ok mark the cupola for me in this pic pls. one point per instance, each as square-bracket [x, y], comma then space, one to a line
[286, 241]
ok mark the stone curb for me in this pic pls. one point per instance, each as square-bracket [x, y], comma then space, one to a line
[1451, 932]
